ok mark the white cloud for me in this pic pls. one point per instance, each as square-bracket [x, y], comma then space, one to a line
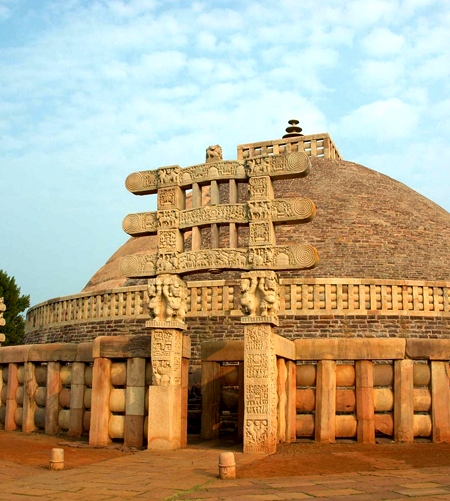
[382, 42]
[382, 120]
[381, 76]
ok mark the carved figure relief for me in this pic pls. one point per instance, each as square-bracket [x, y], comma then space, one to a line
[168, 218]
[257, 431]
[213, 153]
[260, 295]
[167, 299]
[259, 187]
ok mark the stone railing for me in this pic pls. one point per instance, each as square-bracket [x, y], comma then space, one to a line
[219, 297]
[314, 145]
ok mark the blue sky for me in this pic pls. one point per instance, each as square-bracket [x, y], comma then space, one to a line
[91, 91]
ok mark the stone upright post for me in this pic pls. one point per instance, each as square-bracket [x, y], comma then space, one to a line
[165, 413]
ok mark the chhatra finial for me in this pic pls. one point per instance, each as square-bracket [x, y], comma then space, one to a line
[293, 129]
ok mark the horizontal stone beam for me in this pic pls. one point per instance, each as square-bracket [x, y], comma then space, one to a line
[223, 351]
[350, 349]
[258, 258]
[428, 349]
[121, 346]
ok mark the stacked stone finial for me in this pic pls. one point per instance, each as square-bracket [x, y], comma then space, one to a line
[293, 129]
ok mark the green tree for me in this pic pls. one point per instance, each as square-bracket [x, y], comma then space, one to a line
[14, 329]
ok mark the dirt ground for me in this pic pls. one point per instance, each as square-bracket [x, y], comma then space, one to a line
[35, 449]
[309, 458]
[300, 458]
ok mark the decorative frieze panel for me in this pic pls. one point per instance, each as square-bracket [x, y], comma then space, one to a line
[290, 165]
[203, 216]
[255, 258]
[295, 210]
[285, 165]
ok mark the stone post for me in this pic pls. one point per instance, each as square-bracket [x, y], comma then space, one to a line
[100, 406]
[77, 389]
[165, 413]
[365, 411]
[291, 411]
[440, 410]
[29, 398]
[325, 425]
[54, 387]
[11, 402]
[403, 401]
[135, 402]
[260, 389]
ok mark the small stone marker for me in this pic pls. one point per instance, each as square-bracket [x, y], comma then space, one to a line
[227, 466]
[57, 459]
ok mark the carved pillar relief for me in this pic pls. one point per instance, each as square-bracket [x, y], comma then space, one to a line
[260, 376]
[166, 353]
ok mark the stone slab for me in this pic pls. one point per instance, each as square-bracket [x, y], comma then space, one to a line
[428, 349]
[121, 346]
[53, 352]
[350, 349]
[284, 348]
[223, 351]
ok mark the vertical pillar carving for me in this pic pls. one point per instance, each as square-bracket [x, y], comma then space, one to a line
[260, 389]
[165, 412]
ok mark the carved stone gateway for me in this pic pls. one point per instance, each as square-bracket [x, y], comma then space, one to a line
[257, 258]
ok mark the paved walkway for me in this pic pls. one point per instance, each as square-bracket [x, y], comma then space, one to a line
[193, 474]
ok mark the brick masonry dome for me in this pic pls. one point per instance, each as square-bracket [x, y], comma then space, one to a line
[367, 226]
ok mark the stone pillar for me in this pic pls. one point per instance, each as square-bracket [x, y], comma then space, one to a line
[325, 425]
[210, 400]
[282, 399]
[291, 411]
[54, 387]
[403, 401]
[11, 402]
[100, 407]
[196, 203]
[77, 389]
[365, 411]
[165, 413]
[29, 398]
[260, 389]
[135, 402]
[440, 407]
